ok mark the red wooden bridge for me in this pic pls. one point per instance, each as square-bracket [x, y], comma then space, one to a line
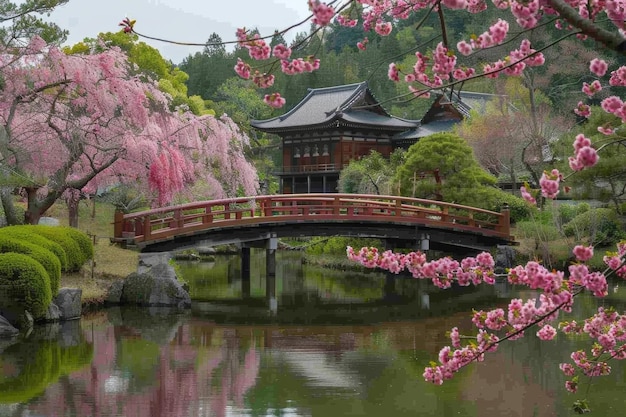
[253, 218]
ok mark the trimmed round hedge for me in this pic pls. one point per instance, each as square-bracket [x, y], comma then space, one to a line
[24, 282]
[75, 256]
[23, 233]
[42, 255]
[83, 240]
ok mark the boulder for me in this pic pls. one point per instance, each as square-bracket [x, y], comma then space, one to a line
[156, 287]
[69, 301]
[505, 258]
[150, 259]
[15, 313]
[6, 329]
[114, 295]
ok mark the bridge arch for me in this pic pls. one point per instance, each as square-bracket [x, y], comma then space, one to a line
[247, 220]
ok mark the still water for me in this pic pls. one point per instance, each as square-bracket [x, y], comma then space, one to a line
[340, 344]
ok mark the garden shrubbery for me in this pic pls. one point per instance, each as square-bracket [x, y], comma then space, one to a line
[46, 258]
[76, 258]
[31, 261]
[600, 226]
[24, 283]
[26, 234]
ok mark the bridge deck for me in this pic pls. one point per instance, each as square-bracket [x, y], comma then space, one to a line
[167, 223]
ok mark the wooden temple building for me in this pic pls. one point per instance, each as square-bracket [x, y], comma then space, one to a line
[333, 125]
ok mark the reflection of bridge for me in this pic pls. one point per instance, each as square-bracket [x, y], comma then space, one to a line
[256, 219]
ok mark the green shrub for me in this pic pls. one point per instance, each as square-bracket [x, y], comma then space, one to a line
[529, 229]
[75, 256]
[566, 212]
[24, 233]
[337, 245]
[24, 283]
[582, 208]
[46, 258]
[83, 240]
[519, 208]
[597, 226]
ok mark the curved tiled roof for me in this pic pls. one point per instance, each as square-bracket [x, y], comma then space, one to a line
[351, 104]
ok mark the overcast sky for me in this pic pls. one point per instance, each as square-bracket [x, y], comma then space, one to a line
[180, 20]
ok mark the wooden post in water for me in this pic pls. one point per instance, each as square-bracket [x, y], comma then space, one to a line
[245, 271]
[270, 274]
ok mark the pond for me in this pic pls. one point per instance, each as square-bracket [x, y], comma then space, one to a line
[339, 344]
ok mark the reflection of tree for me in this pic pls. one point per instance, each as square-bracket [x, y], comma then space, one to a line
[27, 368]
[199, 368]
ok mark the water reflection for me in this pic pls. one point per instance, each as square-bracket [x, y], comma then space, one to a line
[363, 359]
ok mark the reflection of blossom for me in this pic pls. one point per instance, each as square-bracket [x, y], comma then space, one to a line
[246, 377]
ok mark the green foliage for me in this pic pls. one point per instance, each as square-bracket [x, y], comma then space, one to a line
[124, 198]
[532, 229]
[495, 199]
[597, 226]
[20, 21]
[372, 174]
[605, 181]
[24, 283]
[75, 256]
[46, 258]
[84, 242]
[447, 156]
[24, 233]
[337, 245]
[567, 212]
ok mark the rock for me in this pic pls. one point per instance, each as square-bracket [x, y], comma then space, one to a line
[156, 287]
[114, 295]
[69, 301]
[49, 221]
[15, 314]
[6, 329]
[505, 258]
[53, 313]
[206, 250]
[148, 260]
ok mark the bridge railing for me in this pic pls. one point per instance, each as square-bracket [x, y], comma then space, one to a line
[189, 218]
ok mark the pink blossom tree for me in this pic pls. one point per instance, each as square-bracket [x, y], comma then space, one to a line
[74, 124]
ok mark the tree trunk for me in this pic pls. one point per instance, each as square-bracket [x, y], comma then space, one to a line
[72, 210]
[7, 205]
[35, 207]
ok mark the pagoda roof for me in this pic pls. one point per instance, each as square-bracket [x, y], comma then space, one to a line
[351, 105]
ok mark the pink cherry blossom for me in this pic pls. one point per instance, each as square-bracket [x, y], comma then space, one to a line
[547, 332]
[274, 100]
[280, 51]
[527, 196]
[583, 253]
[598, 67]
[322, 13]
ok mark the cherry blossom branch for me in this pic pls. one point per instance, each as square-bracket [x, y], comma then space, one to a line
[612, 40]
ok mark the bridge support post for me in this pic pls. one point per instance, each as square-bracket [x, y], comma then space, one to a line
[424, 242]
[245, 272]
[270, 274]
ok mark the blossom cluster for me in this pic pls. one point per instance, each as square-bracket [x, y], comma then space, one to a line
[557, 295]
[258, 49]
